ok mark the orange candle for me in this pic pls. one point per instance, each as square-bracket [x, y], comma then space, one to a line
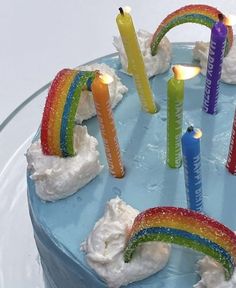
[106, 122]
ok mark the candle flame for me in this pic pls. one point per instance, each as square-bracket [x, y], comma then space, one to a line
[106, 78]
[229, 20]
[198, 133]
[127, 9]
[182, 72]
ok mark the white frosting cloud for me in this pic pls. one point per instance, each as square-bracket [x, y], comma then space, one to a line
[212, 275]
[86, 107]
[228, 75]
[56, 177]
[157, 64]
[105, 245]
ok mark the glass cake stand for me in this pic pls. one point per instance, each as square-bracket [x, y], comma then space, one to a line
[19, 259]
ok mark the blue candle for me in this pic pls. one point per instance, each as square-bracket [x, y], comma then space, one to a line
[214, 66]
[192, 168]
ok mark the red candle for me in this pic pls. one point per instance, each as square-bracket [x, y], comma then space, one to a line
[231, 161]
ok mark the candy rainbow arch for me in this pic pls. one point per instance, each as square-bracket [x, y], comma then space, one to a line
[186, 228]
[60, 110]
[201, 14]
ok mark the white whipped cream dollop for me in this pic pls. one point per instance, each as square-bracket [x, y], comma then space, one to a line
[157, 64]
[57, 177]
[105, 245]
[228, 74]
[212, 275]
[86, 107]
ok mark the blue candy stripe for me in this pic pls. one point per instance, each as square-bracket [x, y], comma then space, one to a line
[89, 84]
[183, 234]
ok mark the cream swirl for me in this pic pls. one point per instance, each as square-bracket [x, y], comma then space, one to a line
[105, 245]
[157, 64]
[86, 107]
[57, 177]
[212, 275]
[228, 74]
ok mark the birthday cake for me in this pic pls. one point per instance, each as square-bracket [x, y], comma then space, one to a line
[92, 236]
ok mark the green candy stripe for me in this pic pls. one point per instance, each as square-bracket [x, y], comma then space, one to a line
[73, 108]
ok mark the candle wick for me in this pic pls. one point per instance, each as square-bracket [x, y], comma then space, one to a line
[220, 17]
[97, 72]
[121, 11]
[174, 71]
[190, 129]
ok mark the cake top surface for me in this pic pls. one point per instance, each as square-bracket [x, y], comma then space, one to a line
[148, 181]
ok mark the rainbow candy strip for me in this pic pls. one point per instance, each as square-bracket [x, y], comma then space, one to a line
[187, 228]
[201, 14]
[60, 110]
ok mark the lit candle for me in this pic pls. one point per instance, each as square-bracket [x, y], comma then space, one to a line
[135, 60]
[192, 168]
[214, 66]
[175, 98]
[231, 161]
[106, 122]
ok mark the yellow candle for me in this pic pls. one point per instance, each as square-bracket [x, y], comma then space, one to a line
[135, 60]
[106, 122]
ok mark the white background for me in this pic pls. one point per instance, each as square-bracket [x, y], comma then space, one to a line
[38, 38]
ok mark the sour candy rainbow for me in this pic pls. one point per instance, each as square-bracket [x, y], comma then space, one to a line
[186, 228]
[60, 110]
[200, 14]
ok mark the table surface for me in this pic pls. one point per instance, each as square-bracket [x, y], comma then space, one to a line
[38, 38]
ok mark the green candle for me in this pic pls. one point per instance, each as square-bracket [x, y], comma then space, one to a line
[175, 98]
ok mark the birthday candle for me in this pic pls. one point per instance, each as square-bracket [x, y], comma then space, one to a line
[214, 66]
[192, 168]
[106, 122]
[135, 60]
[175, 98]
[231, 161]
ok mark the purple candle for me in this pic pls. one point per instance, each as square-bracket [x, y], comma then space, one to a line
[214, 66]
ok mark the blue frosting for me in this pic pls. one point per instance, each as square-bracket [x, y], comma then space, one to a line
[60, 227]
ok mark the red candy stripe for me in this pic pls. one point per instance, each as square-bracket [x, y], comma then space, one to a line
[47, 109]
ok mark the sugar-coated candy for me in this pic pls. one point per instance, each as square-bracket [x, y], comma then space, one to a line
[60, 110]
[187, 228]
[195, 13]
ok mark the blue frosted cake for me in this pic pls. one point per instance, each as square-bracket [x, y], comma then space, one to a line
[81, 214]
